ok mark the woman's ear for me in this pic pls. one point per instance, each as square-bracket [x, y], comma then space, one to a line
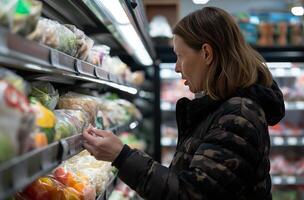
[207, 53]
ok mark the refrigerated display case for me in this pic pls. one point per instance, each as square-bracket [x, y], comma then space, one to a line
[46, 57]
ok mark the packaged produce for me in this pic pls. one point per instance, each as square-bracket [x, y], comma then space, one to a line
[64, 126]
[45, 121]
[99, 55]
[78, 118]
[21, 16]
[55, 35]
[45, 93]
[48, 188]
[97, 172]
[83, 42]
[76, 101]
[14, 107]
[14, 80]
[79, 182]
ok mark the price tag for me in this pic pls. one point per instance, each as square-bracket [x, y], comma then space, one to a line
[55, 58]
[102, 74]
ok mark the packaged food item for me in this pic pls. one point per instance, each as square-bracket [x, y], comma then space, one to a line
[45, 93]
[99, 55]
[64, 126]
[45, 121]
[97, 172]
[21, 16]
[78, 118]
[7, 11]
[79, 182]
[55, 35]
[14, 107]
[76, 101]
[14, 79]
[49, 188]
[83, 42]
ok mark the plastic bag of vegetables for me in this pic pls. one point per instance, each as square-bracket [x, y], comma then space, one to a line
[21, 16]
[49, 188]
[76, 101]
[83, 42]
[55, 35]
[14, 107]
[64, 126]
[14, 80]
[45, 93]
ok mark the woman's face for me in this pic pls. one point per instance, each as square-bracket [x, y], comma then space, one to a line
[191, 63]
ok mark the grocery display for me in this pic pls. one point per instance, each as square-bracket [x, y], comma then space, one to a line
[56, 80]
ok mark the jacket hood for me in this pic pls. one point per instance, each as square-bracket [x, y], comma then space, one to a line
[270, 99]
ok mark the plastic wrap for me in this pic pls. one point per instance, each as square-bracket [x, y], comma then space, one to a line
[76, 101]
[78, 118]
[49, 188]
[83, 42]
[14, 80]
[79, 182]
[45, 93]
[64, 126]
[21, 16]
[45, 121]
[14, 107]
[97, 172]
[98, 55]
[55, 35]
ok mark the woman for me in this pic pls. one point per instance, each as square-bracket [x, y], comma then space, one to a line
[223, 141]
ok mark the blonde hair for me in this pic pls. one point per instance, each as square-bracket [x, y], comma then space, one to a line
[235, 64]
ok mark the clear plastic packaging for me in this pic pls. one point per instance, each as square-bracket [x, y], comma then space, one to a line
[99, 55]
[79, 182]
[14, 107]
[49, 188]
[55, 35]
[64, 126]
[78, 118]
[21, 16]
[76, 101]
[83, 42]
[45, 122]
[97, 172]
[45, 93]
[14, 80]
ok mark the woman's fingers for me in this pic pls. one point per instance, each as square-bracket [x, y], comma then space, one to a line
[90, 148]
[101, 133]
[90, 138]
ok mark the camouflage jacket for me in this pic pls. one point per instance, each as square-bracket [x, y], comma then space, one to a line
[222, 150]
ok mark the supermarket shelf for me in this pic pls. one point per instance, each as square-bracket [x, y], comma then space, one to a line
[286, 141]
[20, 53]
[109, 189]
[168, 142]
[287, 180]
[18, 172]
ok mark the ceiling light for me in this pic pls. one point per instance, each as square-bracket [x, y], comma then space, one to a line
[200, 1]
[297, 10]
[132, 38]
[115, 8]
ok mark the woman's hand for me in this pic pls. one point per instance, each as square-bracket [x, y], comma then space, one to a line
[103, 145]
